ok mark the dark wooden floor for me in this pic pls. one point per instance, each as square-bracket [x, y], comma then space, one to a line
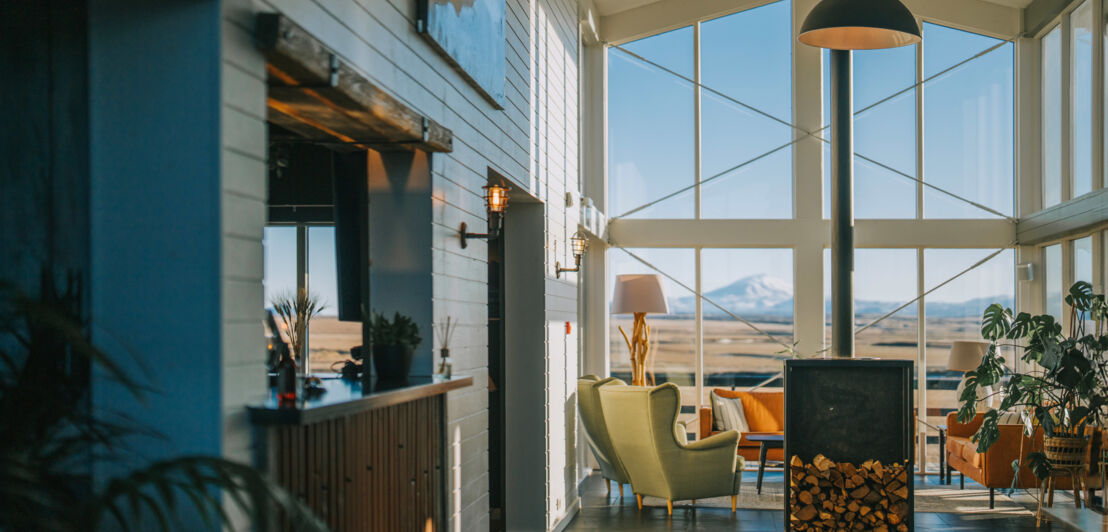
[599, 513]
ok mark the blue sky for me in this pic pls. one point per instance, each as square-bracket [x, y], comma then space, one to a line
[280, 264]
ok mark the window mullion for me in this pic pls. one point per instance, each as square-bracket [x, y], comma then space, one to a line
[697, 157]
[921, 359]
[1097, 36]
[699, 340]
[1067, 108]
[919, 130]
[302, 281]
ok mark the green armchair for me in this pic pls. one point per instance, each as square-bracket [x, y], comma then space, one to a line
[596, 432]
[641, 423]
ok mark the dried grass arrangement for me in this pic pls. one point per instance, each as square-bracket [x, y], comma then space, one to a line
[296, 311]
[444, 331]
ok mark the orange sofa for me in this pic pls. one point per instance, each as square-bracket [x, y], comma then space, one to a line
[765, 413]
[993, 469]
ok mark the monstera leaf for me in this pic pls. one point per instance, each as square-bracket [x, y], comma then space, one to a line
[996, 323]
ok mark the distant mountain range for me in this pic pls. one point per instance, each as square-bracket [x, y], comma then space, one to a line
[766, 295]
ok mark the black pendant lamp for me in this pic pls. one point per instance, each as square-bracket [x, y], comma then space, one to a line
[860, 25]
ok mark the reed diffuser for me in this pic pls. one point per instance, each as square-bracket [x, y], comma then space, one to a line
[444, 331]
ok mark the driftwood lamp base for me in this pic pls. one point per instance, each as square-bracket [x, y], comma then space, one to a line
[639, 345]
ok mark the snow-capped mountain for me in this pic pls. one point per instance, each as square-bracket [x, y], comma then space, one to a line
[756, 294]
[766, 295]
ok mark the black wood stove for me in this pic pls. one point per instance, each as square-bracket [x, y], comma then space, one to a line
[850, 410]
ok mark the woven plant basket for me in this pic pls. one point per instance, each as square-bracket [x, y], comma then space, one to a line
[1065, 451]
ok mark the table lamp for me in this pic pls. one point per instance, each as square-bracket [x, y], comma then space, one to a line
[966, 355]
[638, 294]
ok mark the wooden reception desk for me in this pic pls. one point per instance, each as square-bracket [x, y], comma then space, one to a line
[362, 459]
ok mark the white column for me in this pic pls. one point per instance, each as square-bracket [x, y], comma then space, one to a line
[807, 188]
[594, 177]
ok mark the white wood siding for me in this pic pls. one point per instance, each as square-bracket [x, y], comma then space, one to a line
[533, 141]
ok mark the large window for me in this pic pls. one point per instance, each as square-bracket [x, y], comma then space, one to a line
[755, 285]
[1053, 279]
[884, 280]
[953, 312]
[329, 340]
[651, 126]
[747, 57]
[701, 130]
[884, 133]
[969, 118]
[1081, 108]
[1052, 117]
[1083, 259]
[745, 160]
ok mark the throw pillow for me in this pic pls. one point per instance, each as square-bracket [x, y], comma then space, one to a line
[728, 414]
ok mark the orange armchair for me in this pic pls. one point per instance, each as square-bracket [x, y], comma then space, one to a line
[765, 413]
[993, 468]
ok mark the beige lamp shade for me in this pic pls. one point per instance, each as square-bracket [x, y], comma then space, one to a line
[639, 293]
[966, 355]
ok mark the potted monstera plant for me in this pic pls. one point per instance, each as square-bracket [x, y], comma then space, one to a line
[1065, 387]
[394, 343]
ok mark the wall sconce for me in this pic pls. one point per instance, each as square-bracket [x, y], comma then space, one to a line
[496, 201]
[579, 244]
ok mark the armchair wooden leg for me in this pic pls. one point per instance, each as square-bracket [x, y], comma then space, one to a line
[608, 483]
[961, 480]
[1050, 494]
[621, 491]
[669, 506]
[992, 498]
[1077, 489]
[734, 499]
[638, 498]
[1042, 495]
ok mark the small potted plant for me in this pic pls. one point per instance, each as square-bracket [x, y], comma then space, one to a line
[394, 343]
[1065, 390]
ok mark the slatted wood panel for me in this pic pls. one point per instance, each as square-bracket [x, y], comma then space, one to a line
[379, 470]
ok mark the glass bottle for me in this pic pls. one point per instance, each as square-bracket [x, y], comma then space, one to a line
[286, 380]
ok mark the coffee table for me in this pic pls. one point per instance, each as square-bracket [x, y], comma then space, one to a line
[767, 441]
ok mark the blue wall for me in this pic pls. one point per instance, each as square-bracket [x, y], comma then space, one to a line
[154, 99]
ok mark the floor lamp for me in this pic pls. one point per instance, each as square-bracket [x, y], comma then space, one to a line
[843, 26]
[638, 294]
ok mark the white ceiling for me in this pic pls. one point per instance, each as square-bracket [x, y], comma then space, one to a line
[609, 7]
[1011, 3]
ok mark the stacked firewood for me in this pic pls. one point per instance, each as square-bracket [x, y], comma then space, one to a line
[825, 495]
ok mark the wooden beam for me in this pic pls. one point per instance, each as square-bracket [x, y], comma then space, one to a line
[1079, 215]
[314, 83]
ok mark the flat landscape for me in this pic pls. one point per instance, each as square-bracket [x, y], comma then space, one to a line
[330, 341]
[735, 355]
